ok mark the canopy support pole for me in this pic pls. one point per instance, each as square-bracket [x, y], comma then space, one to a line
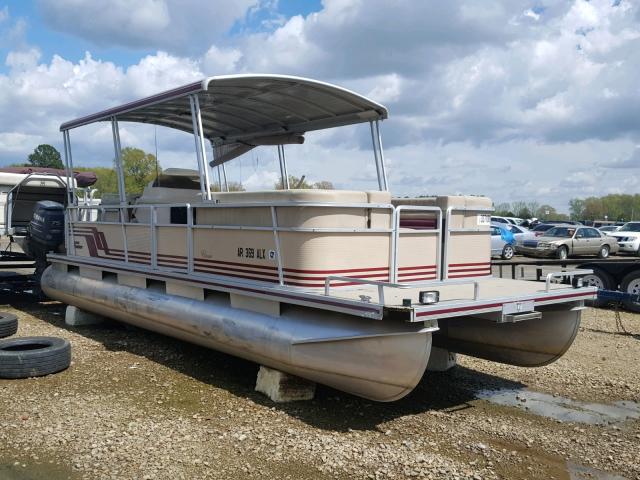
[381, 150]
[203, 151]
[68, 164]
[224, 176]
[220, 179]
[68, 231]
[283, 168]
[375, 156]
[119, 170]
[201, 168]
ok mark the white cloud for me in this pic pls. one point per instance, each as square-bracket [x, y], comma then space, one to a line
[508, 99]
[264, 180]
[179, 26]
[630, 161]
[219, 61]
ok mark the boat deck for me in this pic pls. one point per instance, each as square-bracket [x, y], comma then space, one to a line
[471, 296]
[457, 297]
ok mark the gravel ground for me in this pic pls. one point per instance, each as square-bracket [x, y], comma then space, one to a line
[136, 405]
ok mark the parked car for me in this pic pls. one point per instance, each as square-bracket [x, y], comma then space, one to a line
[502, 241]
[628, 238]
[521, 234]
[504, 220]
[563, 222]
[540, 229]
[515, 220]
[568, 240]
[609, 228]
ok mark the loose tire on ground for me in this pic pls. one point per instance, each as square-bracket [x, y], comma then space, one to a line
[631, 284]
[33, 356]
[8, 324]
[602, 280]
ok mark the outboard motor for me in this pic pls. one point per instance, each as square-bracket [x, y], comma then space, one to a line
[45, 232]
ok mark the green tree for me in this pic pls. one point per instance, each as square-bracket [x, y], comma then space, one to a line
[546, 212]
[295, 182]
[45, 156]
[617, 207]
[139, 169]
[323, 185]
[233, 187]
[576, 208]
[503, 210]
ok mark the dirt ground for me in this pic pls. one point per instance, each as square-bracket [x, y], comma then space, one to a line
[136, 405]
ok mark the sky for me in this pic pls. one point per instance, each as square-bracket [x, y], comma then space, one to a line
[534, 100]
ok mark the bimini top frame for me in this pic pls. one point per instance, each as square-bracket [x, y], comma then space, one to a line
[238, 112]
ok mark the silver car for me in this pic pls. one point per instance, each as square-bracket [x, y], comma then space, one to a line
[564, 241]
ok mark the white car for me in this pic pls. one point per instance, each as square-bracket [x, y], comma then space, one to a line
[609, 228]
[505, 220]
[628, 238]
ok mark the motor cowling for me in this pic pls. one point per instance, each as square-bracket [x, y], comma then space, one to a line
[46, 228]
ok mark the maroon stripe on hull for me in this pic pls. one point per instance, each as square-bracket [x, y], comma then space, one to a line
[469, 275]
[279, 295]
[248, 271]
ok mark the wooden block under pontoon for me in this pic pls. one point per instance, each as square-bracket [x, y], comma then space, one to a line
[75, 317]
[441, 360]
[282, 387]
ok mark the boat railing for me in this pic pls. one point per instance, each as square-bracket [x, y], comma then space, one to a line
[397, 214]
[124, 216]
[449, 229]
[380, 285]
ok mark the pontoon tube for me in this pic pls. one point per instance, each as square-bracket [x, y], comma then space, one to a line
[531, 343]
[377, 359]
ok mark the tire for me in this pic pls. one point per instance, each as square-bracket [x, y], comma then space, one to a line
[8, 324]
[631, 284]
[604, 251]
[603, 281]
[562, 253]
[507, 252]
[33, 356]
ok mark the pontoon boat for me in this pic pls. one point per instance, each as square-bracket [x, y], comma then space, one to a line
[347, 288]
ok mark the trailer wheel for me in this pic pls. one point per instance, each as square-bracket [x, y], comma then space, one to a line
[602, 280]
[604, 251]
[33, 356]
[631, 284]
[8, 324]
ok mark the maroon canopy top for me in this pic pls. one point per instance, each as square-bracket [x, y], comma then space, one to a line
[83, 179]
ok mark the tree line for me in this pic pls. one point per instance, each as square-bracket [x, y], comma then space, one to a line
[139, 168]
[521, 209]
[616, 207]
